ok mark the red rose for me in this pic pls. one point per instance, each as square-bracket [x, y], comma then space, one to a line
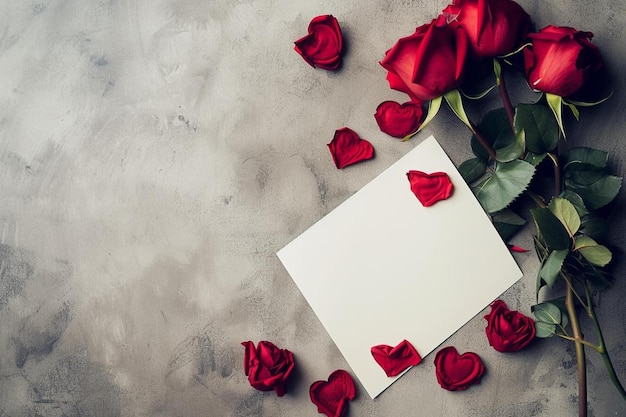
[561, 60]
[430, 188]
[457, 372]
[267, 366]
[494, 27]
[428, 63]
[323, 45]
[399, 120]
[508, 331]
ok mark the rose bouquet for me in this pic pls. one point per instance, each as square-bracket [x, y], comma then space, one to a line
[518, 147]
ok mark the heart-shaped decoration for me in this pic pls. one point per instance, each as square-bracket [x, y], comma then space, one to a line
[348, 148]
[399, 120]
[331, 397]
[430, 188]
[457, 372]
[396, 359]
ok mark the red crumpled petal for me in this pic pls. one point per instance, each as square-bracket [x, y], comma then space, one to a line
[457, 372]
[394, 360]
[322, 46]
[515, 248]
[399, 120]
[331, 397]
[348, 148]
[430, 188]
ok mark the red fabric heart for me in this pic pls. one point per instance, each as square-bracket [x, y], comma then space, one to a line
[457, 372]
[399, 120]
[394, 360]
[331, 398]
[348, 148]
[430, 188]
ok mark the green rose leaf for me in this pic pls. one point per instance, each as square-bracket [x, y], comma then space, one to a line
[544, 330]
[535, 158]
[594, 226]
[585, 155]
[551, 229]
[551, 268]
[566, 213]
[507, 222]
[494, 126]
[506, 183]
[472, 169]
[576, 200]
[598, 194]
[581, 173]
[542, 131]
[593, 252]
[513, 149]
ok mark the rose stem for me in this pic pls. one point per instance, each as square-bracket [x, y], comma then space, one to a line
[580, 351]
[506, 100]
[602, 347]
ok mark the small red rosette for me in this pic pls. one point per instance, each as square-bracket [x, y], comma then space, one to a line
[332, 397]
[348, 148]
[399, 120]
[430, 188]
[267, 366]
[396, 359]
[508, 331]
[457, 372]
[323, 45]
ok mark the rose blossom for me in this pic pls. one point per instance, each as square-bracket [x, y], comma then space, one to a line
[429, 63]
[323, 45]
[561, 60]
[494, 27]
[508, 331]
[267, 366]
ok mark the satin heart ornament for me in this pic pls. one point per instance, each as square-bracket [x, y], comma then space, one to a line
[457, 372]
[396, 359]
[430, 188]
[399, 120]
[331, 397]
[348, 148]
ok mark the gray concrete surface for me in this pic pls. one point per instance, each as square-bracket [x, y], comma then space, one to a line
[154, 156]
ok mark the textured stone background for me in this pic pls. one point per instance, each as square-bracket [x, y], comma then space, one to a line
[154, 155]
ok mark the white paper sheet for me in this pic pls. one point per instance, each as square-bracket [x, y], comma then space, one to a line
[381, 268]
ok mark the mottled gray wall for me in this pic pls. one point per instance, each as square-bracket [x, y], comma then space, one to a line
[154, 155]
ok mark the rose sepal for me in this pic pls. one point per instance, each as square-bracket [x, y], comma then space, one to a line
[433, 108]
[454, 100]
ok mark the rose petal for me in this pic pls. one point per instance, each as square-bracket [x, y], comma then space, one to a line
[430, 188]
[399, 120]
[515, 248]
[396, 359]
[323, 45]
[348, 148]
[457, 372]
[331, 397]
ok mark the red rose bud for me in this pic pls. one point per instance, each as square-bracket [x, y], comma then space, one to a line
[332, 397]
[494, 27]
[457, 372]
[508, 331]
[429, 63]
[267, 366]
[348, 148]
[430, 188]
[561, 60]
[399, 120]
[323, 45]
